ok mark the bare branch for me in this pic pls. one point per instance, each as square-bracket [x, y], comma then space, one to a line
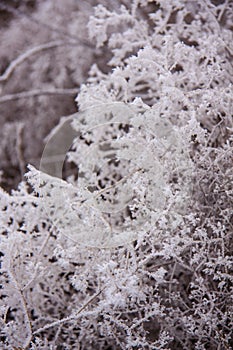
[19, 147]
[69, 318]
[23, 303]
[38, 92]
[20, 59]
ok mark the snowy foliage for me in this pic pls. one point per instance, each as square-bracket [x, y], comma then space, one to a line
[134, 249]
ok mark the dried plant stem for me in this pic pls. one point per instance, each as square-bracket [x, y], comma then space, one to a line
[23, 57]
[39, 255]
[24, 305]
[37, 92]
[69, 318]
[19, 147]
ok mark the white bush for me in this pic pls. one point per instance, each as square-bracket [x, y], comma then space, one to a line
[134, 249]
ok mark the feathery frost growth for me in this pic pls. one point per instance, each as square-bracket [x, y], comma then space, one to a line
[133, 249]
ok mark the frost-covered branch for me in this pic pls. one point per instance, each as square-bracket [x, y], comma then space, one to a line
[143, 194]
[75, 316]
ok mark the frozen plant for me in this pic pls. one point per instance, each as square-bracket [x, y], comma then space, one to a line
[134, 249]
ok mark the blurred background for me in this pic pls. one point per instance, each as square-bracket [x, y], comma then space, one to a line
[45, 55]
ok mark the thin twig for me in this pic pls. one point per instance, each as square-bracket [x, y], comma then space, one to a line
[100, 192]
[44, 243]
[207, 5]
[24, 304]
[69, 318]
[19, 147]
[20, 59]
[224, 6]
[38, 92]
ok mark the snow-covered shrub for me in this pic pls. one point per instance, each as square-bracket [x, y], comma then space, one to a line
[134, 249]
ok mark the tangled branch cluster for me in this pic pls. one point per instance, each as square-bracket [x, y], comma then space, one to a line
[133, 250]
